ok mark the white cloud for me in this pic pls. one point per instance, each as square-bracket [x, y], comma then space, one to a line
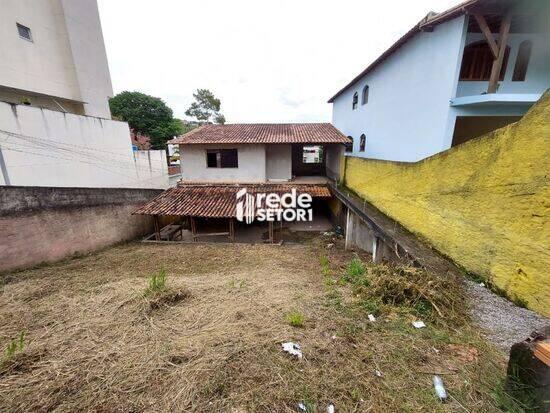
[276, 61]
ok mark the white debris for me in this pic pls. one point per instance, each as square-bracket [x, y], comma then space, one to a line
[334, 337]
[436, 351]
[329, 246]
[482, 284]
[302, 407]
[330, 408]
[378, 373]
[372, 318]
[439, 389]
[293, 349]
[418, 324]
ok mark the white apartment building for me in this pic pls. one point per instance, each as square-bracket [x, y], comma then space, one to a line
[55, 122]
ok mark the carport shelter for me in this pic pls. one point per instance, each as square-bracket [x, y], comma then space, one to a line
[189, 202]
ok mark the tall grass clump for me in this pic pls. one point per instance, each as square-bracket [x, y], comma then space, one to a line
[295, 319]
[325, 265]
[157, 283]
[14, 346]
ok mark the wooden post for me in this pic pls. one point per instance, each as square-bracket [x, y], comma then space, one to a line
[271, 232]
[194, 229]
[497, 63]
[231, 230]
[157, 227]
[482, 23]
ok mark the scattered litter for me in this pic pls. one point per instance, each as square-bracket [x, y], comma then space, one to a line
[293, 349]
[418, 324]
[362, 401]
[334, 337]
[327, 234]
[436, 351]
[330, 408]
[372, 318]
[482, 284]
[302, 407]
[329, 246]
[378, 373]
[439, 389]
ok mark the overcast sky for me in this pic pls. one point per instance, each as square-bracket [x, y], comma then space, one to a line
[268, 61]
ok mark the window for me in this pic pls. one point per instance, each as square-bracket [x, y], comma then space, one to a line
[312, 154]
[349, 145]
[478, 61]
[24, 32]
[362, 143]
[355, 100]
[522, 61]
[222, 158]
[365, 95]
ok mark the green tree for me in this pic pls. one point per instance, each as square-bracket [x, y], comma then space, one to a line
[206, 107]
[148, 115]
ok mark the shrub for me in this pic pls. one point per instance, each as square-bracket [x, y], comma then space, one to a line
[295, 319]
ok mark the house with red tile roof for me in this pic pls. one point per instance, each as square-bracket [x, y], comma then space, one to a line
[261, 153]
[228, 169]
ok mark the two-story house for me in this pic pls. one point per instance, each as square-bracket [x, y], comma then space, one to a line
[454, 76]
[220, 161]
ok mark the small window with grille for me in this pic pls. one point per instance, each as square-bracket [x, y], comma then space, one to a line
[24, 32]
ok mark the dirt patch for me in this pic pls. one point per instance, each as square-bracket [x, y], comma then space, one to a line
[213, 342]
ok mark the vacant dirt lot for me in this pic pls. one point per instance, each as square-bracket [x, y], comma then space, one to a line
[211, 340]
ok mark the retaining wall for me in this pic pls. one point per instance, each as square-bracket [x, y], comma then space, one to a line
[485, 204]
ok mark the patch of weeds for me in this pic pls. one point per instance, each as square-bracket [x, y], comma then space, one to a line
[520, 400]
[355, 269]
[329, 282]
[371, 305]
[157, 283]
[334, 299]
[423, 307]
[167, 298]
[295, 319]
[14, 346]
[325, 265]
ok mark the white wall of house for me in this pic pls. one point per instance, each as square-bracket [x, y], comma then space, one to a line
[334, 154]
[278, 162]
[66, 58]
[407, 111]
[252, 164]
[39, 147]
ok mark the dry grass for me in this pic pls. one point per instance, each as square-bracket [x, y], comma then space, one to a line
[210, 341]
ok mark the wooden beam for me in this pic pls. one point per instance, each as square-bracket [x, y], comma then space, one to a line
[271, 232]
[497, 64]
[480, 19]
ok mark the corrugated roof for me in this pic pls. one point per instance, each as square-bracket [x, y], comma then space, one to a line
[262, 133]
[216, 201]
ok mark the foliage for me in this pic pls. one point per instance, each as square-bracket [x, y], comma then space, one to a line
[206, 107]
[157, 283]
[295, 319]
[15, 345]
[148, 115]
[325, 265]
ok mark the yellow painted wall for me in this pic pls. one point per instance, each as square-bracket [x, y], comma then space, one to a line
[485, 204]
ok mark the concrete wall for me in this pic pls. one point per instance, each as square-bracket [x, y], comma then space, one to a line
[334, 156]
[252, 164]
[46, 224]
[66, 58]
[406, 115]
[278, 162]
[39, 147]
[484, 204]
